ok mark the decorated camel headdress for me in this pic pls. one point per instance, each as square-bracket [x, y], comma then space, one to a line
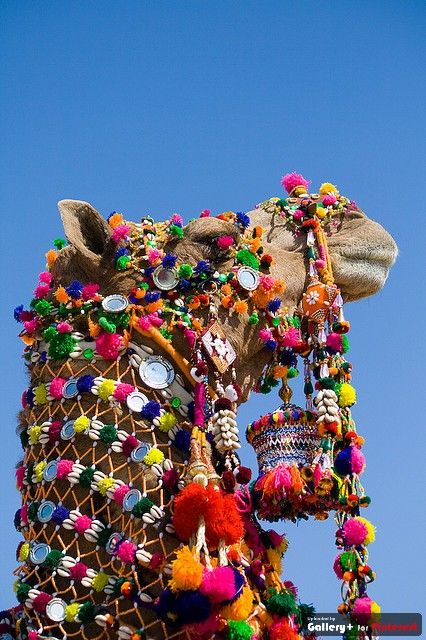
[130, 436]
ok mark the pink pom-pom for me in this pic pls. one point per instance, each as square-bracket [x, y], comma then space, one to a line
[89, 291]
[108, 345]
[275, 538]
[267, 282]
[224, 242]
[334, 340]
[218, 584]
[292, 180]
[126, 551]
[154, 256]
[24, 514]
[129, 444]
[120, 232]
[144, 323]
[120, 492]
[205, 213]
[190, 337]
[265, 335]
[64, 327]
[320, 263]
[357, 460]
[122, 390]
[329, 199]
[54, 431]
[46, 277]
[33, 635]
[317, 475]
[64, 468]
[204, 629]
[41, 601]
[176, 219]
[31, 325]
[55, 388]
[282, 478]
[82, 524]
[298, 214]
[41, 290]
[20, 475]
[361, 611]
[291, 337]
[78, 571]
[338, 567]
[291, 587]
[354, 531]
[155, 320]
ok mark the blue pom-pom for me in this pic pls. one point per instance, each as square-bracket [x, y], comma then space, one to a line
[123, 251]
[184, 284]
[169, 261]
[151, 410]
[84, 383]
[17, 520]
[60, 514]
[288, 358]
[342, 462]
[271, 344]
[152, 296]
[191, 607]
[202, 266]
[29, 396]
[17, 312]
[74, 289]
[182, 440]
[243, 219]
[274, 305]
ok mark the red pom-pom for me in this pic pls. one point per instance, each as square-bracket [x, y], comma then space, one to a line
[282, 631]
[244, 475]
[41, 601]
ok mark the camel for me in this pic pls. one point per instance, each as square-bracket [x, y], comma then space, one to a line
[110, 443]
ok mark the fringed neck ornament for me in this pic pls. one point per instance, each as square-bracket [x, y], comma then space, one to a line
[106, 370]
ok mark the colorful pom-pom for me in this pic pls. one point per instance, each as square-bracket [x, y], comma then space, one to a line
[187, 572]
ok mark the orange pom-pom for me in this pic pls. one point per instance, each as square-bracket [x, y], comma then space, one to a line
[115, 220]
[227, 302]
[226, 289]
[51, 256]
[240, 306]
[61, 295]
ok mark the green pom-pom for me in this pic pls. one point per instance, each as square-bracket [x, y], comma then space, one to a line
[348, 561]
[345, 343]
[122, 320]
[43, 307]
[22, 592]
[59, 243]
[61, 345]
[304, 613]
[104, 536]
[24, 438]
[352, 634]
[282, 202]
[49, 333]
[86, 613]
[308, 388]
[122, 263]
[141, 507]
[117, 586]
[282, 603]
[29, 473]
[32, 511]
[185, 271]
[244, 256]
[327, 383]
[292, 372]
[52, 559]
[108, 434]
[238, 630]
[86, 477]
[310, 253]
[107, 326]
[254, 318]
[176, 231]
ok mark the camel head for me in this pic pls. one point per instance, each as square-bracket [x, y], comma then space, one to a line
[361, 252]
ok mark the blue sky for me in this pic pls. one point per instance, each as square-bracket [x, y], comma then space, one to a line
[183, 105]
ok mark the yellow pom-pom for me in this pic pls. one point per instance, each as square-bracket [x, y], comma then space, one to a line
[241, 608]
[371, 530]
[104, 485]
[34, 434]
[106, 389]
[38, 470]
[327, 187]
[347, 395]
[40, 394]
[154, 456]
[274, 557]
[81, 424]
[71, 611]
[100, 581]
[167, 422]
[24, 552]
[187, 572]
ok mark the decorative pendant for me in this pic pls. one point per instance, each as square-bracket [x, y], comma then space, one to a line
[218, 347]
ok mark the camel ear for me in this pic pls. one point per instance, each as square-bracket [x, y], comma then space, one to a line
[85, 228]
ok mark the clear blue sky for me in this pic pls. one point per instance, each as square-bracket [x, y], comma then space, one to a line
[185, 105]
